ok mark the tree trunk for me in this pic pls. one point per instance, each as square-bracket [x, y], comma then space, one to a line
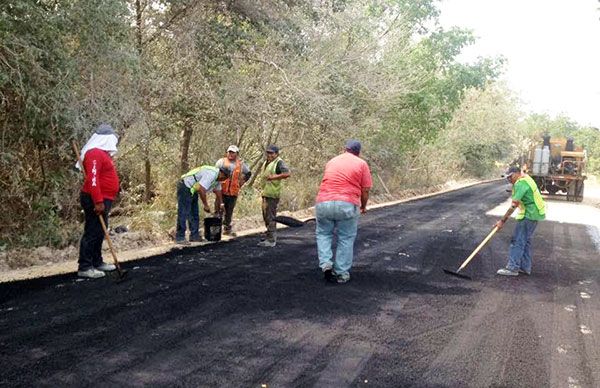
[139, 27]
[139, 24]
[186, 138]
[147, 180]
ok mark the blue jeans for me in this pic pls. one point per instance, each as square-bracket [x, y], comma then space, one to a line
[519, 256]
[187, 210]
[343, 216]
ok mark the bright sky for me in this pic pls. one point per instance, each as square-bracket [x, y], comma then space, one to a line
[552, 48]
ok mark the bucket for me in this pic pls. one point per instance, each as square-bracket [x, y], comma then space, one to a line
[212, 228]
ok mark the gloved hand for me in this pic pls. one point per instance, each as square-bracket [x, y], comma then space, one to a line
[99, 208]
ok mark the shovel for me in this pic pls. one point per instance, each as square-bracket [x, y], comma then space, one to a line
[291, 221]
[466, 262]
[121, 274]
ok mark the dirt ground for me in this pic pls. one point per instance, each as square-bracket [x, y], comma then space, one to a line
[237, 315]
[44, 261]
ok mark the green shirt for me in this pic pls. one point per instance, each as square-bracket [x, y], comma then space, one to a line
[523, 193]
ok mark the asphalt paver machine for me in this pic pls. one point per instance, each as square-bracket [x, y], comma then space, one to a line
[557, 166]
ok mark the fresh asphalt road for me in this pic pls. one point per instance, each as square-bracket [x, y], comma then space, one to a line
[232, 314]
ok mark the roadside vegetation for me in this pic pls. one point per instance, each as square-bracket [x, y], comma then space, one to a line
[181, 80]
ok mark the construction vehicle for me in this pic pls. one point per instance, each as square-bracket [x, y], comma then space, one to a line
[557, 166]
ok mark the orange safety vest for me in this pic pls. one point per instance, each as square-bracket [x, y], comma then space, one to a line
[232, 185]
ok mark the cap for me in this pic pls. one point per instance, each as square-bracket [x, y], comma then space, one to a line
[233, 148]
[353, 146]
[105, 129]
[273, 148]
[512, 170]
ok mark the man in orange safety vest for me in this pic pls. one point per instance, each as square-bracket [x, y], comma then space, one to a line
[240, 173]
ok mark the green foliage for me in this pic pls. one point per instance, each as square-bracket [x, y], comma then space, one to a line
[180, 75]
[483, 132]
[535, 126]
[64, 67]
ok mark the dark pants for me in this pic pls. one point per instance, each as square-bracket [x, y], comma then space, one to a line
[269, 211]
[229, 202]
[90, 247]
[187, 210]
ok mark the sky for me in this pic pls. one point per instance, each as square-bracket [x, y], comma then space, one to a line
[552, 48]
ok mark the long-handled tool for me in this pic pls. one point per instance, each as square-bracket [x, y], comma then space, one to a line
[122, 274]
[471, 256]
[291, 221]
[489, 236]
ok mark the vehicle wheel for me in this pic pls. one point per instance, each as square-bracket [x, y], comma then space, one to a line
[579, 191]
[552, 189]
[571, 190]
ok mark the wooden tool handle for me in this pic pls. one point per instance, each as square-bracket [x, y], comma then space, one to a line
[489, 236]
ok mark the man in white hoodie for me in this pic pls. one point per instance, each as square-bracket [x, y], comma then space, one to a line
[100, 188]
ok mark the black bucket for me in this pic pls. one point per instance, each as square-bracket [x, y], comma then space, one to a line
[212, 228]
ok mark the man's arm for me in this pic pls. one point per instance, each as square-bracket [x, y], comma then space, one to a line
[284, 172]
[246, 174]
[514, 204]
[364, 197]
[366, 184]
[219, 206]
[202, 194]
[92, 165]
[276, 177]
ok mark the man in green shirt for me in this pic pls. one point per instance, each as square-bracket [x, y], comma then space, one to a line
[270, 181]
[526, 196]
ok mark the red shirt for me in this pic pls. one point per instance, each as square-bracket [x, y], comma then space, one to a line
[344, 178]
[101, 180]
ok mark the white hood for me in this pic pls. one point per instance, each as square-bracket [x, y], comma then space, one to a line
[107, 143]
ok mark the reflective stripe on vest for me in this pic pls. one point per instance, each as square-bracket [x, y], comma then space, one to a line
[193, 174]
[271, 189]
[232, 185]
[537, 198]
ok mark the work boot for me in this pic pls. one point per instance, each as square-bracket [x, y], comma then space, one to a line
[91, 273]
[341, 279]
[507, 272]
[106, 267]
[196, 239]
[229, 232]
[182, 242]
[328, 272]
[267, 243]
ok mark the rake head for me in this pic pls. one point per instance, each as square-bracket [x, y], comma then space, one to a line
[120, 276]
[457, 274]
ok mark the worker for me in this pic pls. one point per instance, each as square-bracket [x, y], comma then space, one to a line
[270, 182]
[197, 182]
[342, 197]
[240, 173]
[526, 196]
[100, 188]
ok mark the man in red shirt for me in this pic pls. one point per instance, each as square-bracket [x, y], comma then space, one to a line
[343, 195]
[100, 188]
